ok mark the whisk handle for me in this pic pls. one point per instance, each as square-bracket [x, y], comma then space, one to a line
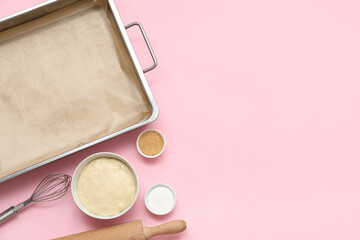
[8, 213]
[11, 211]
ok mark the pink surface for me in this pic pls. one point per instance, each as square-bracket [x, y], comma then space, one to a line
[259, 102]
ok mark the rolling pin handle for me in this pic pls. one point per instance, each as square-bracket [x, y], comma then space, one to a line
[166, 228]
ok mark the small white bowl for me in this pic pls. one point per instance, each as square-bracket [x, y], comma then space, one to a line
[138, 148]
[160, 199]
[79, 169]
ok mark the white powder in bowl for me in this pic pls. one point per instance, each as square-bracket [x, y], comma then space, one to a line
[160, 199]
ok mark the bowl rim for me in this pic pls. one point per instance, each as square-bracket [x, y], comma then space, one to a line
[149, 130]
[81, 166]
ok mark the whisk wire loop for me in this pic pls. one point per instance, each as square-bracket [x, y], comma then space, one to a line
[53, 187]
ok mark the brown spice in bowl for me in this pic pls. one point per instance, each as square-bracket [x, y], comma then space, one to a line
[151, 143]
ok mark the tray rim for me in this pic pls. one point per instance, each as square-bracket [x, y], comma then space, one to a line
[127, 43]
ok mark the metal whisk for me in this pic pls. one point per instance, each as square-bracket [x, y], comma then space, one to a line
[51, 188]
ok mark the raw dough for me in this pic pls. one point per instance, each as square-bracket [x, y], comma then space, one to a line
[106, 186]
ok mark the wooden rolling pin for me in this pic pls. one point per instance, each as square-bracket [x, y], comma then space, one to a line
[133, 230]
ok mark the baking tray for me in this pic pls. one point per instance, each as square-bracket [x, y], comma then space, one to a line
[53, 11]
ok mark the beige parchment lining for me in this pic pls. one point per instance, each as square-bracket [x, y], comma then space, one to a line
[64, 84]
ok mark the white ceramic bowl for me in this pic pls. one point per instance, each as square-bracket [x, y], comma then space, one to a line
[138, 148]
[160, 199]
[81, 167]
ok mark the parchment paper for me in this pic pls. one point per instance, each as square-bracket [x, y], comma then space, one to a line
[62, 85]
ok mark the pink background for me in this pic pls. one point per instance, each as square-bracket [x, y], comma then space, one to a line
[259, 102]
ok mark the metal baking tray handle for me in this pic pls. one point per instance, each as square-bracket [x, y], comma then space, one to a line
[147, 44]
